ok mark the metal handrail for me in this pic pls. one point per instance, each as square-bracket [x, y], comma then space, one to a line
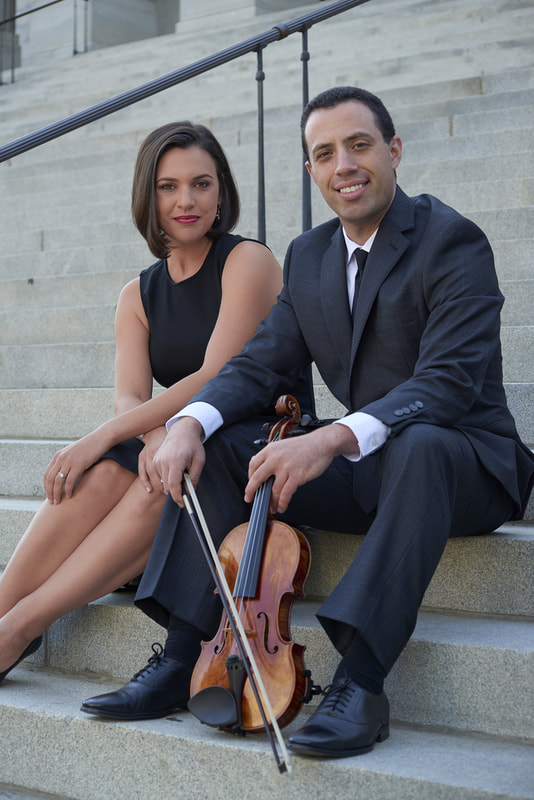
[254, 44]
[30, 11]
[172, 79]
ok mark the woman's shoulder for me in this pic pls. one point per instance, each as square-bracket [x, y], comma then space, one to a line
[154, 269]
[224, 245]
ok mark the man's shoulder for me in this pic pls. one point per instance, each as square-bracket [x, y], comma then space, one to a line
[319, 235]
[427, 212]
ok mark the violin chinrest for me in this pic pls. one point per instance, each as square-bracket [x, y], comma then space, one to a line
[215, 706]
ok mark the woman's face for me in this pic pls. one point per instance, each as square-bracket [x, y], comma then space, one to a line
[187, 194]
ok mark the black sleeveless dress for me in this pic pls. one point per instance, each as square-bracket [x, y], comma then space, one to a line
[181, 317]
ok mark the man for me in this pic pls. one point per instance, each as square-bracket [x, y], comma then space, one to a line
[427, 450]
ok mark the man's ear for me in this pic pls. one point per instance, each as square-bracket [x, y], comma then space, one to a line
[310, 171]
[395, 151]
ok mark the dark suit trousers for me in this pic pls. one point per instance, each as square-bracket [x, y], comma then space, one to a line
[423, 486]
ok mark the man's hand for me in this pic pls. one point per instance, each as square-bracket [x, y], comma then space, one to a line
[182, 451]
[294, 462]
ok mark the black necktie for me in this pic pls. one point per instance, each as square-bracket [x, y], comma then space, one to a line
[361, 258]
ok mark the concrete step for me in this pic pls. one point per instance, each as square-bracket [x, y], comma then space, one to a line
[101, 152]
[85, 364]
[51, 325]
[482, 574]
[450, 673]
[509, 223]
[491, 574]
[70, 413]
[409, 104]
[115, 257]
[410, 52]
[54, 413]
[87, 759]
[54, 291]
[93, 167]
[408, 39]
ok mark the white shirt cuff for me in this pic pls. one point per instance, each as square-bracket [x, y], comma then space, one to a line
[370, 432]
[208, 416]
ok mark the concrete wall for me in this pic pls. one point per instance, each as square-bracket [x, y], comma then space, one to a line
[52, 33]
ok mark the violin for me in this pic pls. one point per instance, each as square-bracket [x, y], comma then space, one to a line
[265, 563]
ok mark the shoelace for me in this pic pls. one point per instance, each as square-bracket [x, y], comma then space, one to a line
[337, 696]
[153, 661]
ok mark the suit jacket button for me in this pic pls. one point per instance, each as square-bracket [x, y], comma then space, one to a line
[418, 403]
[398, 412]
[412, 407]
[406, 411]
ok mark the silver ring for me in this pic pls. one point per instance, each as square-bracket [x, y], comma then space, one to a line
[60, 474]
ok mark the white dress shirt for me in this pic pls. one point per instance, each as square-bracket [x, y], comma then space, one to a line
[370, 432]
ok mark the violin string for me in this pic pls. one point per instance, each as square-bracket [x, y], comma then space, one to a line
[252, 545]
[237, 622]
[246, 567]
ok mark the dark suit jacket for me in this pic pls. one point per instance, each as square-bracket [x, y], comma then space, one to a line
[425, 347]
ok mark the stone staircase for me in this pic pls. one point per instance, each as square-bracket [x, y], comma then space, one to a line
[459, 80]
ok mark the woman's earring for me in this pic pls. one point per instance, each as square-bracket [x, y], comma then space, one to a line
[218, 214]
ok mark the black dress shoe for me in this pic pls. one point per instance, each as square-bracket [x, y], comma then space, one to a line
[348, 722]
[155, 691]
[32, 647]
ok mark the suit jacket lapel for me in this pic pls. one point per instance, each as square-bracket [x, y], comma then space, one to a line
[388, 247]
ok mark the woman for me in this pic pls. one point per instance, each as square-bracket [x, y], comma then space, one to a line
[177, 323]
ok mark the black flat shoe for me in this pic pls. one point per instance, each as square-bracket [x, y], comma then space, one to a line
[157, 690]
[348, 722]
[32, 647]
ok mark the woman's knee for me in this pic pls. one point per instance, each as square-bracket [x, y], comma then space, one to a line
[107, 477]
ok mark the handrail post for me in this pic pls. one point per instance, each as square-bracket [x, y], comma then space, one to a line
[13, 48]
[85, 18]
[74, 28]
[306, 187]
[260, 77]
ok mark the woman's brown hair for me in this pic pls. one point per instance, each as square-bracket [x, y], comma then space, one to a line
[144, 210]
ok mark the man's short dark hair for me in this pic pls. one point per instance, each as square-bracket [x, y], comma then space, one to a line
[344, 94]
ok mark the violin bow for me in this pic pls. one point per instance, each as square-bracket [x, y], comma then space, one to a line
[251, 667]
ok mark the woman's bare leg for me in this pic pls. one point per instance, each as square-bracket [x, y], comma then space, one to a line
[115, 551]
[57, 530]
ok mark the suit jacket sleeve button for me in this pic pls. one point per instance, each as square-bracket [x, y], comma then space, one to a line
[398, 412]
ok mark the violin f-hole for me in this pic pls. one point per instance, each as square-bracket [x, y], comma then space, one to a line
[266, 631]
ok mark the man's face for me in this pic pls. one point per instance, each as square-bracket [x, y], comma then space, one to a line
[352, 165]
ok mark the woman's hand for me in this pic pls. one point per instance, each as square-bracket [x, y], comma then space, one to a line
[69, 464]
[148, 473]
